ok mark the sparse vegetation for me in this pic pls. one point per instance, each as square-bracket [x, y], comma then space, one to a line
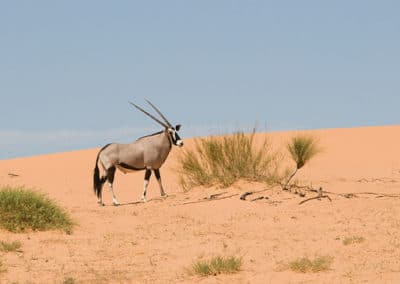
[301, 148]
[224, 160]
[2, 268]
[304, 264]
[10, 246]
[353, 240]
[24, 209]
[217, 265]
[69, 280]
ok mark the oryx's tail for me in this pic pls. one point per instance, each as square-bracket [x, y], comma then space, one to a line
[97, 181]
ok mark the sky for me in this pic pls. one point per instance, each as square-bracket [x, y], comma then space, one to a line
[69, 68]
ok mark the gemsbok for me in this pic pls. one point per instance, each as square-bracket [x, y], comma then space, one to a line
[146, 153]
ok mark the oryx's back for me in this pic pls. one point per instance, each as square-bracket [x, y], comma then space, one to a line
[146, 152]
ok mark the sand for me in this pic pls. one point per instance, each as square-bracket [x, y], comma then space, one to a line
[157, 241]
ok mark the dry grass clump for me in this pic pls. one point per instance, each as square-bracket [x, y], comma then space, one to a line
[353, 240]
[217, 265]
[304, 264]
[2, 267]
[69, 280]
[24, 209]
[224, 160]
[10, 246]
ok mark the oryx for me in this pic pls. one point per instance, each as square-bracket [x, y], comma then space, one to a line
[146, 153]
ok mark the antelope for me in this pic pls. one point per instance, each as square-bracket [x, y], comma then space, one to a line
[146, 153]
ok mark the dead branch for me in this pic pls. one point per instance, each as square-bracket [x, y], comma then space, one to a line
[259, 198]
[213, 196]
[319, 196]
[244, 195]
[207, 199]
[315, 197]
[371, 180]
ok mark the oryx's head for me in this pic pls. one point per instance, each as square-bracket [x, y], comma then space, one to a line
[172, 131]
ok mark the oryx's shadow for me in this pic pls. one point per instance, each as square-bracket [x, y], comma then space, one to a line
[138, 202]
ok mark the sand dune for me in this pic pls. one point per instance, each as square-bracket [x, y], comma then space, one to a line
[155, 242]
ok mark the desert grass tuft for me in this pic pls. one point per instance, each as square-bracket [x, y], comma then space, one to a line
[353, 240]
[23, 209]
[10, 246]
[217, 265]
[69, 280]
[302, 149]
[2, 267]
[224, 160]
[304, 264]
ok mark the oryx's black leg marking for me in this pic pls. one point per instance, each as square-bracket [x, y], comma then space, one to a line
[110, 175]
[110, 179]
[158, 176]
[147, 176]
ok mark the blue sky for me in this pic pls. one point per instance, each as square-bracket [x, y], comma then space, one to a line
[69, 68]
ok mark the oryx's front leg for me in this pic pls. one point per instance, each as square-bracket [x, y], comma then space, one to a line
[158, 176]
[146, 183]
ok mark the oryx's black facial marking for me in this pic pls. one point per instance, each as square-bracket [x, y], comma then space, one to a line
[175, 138]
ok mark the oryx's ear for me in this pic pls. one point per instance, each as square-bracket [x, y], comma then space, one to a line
[177, 127]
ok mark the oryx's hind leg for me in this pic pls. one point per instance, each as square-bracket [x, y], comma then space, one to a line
[100, 192]
[158, 176]
[110, 179]
[146, 183]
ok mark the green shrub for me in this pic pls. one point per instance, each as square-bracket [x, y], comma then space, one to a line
[302, 148]
[24, 209]
[224, 160]
[217, 265]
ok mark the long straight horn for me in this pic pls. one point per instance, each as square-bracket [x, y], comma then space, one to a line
[145, 112]
[159, 112]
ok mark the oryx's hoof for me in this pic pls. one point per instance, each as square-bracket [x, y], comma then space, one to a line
[100, 203]
[164, 195]
[143, 199]
[115, 202]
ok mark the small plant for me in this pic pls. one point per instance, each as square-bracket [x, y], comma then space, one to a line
[2, 267]
[304, 264]
[23, 209]
[353, 240]
[301, 148]
[217, 265]
[9, 247]
[224, 160]
[69, 280]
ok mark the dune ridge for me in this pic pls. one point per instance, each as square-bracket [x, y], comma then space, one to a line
[155, 242]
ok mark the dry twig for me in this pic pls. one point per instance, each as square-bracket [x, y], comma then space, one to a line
[319, 196]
